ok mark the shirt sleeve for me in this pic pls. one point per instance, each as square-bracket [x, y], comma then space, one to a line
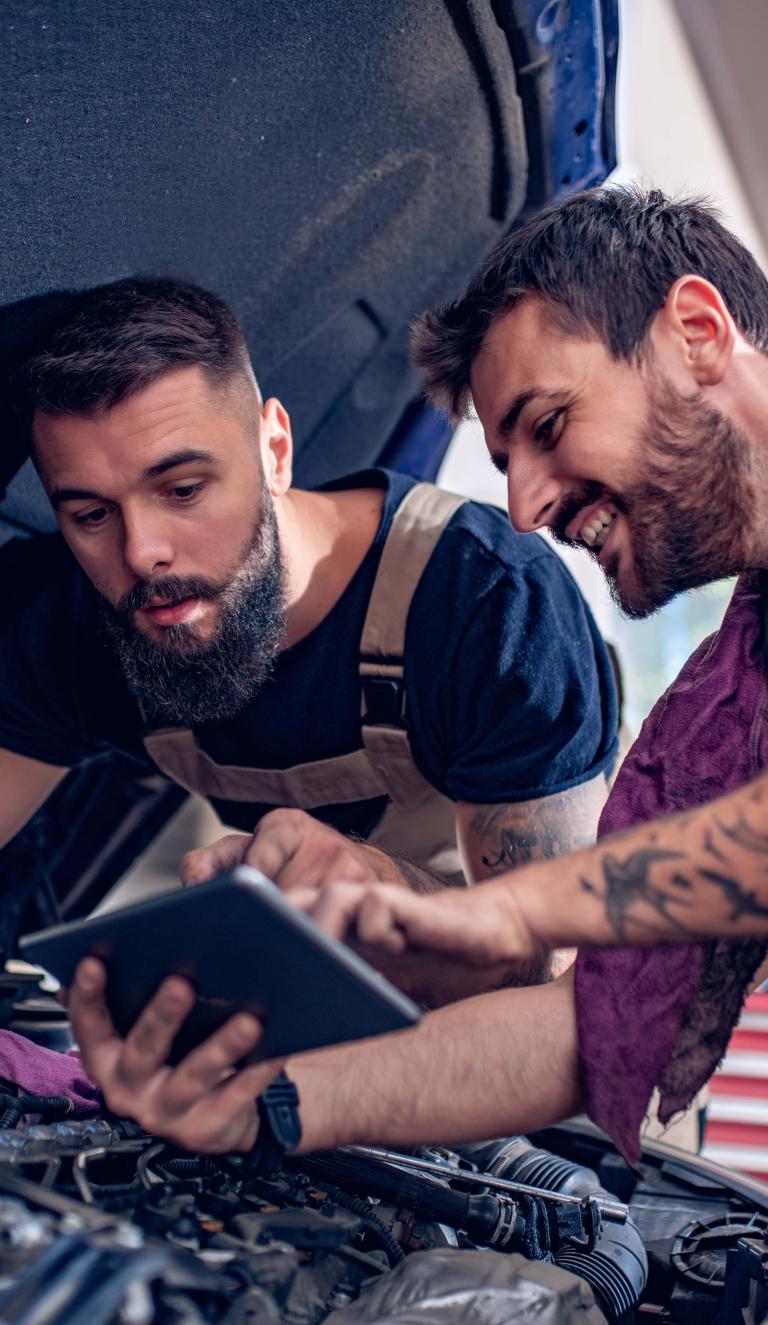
[520, 703]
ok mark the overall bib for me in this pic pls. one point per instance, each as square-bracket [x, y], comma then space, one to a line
[418, 823]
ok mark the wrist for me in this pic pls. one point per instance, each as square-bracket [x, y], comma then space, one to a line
[533, 907]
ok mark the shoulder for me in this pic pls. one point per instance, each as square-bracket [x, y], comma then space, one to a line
[479, 552]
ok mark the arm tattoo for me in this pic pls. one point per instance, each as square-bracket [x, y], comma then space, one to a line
[745, 835]
[506, 836]
[742, 901]
[639, 890]
[512, 835]
[628, 882]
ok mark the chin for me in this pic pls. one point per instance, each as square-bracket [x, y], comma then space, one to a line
[632, 599]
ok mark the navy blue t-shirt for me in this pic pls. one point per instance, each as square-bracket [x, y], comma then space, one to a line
[509, 688]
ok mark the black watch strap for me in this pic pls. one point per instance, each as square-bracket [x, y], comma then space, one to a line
[279, 1125]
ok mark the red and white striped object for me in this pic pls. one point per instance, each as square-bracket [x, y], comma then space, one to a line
[737, 1118]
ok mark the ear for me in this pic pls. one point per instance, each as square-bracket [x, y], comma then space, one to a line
[696, 320]
[276, 444]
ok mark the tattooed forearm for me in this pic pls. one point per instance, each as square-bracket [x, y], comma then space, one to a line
[741, 901]
[718, 882]
[745, 835]
[627, 882]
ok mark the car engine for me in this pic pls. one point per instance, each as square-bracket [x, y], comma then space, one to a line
[101, 1223]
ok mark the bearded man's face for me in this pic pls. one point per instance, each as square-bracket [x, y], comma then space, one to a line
[687, 510]
[163, 501]
[657, 485]
[183, 679]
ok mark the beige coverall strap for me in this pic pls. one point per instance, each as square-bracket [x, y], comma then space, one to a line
[341, 780]
[417, 527]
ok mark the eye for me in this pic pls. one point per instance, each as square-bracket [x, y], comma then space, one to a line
[547, 433]
[184, 492]
[92, 518]
[499, 461]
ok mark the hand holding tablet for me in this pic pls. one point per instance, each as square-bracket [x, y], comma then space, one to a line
[244, 948]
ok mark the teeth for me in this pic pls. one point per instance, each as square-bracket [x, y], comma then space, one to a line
[594, 533]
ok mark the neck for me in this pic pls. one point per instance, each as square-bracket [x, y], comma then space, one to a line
[324, 537]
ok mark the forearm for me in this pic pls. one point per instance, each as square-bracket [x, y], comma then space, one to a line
[696, 875]
[494, 1065]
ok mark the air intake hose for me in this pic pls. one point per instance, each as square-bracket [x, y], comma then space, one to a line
[617, 1267]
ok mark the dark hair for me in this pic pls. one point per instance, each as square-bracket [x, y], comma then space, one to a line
[604, 261]
[124, 336]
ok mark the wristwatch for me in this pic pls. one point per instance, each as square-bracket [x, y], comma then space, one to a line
[279, 1125]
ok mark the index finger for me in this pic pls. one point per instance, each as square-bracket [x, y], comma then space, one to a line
[335, 908]
[273, 845]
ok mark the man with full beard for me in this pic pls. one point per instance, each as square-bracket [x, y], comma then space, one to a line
[377, 652]
[615, 351]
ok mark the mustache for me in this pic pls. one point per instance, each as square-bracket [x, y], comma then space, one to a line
[171, 587]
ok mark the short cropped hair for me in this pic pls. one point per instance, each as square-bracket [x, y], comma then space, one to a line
[124, 336]
[604, 261]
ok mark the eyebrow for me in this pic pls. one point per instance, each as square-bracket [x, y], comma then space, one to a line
[186, 457]
[509, 419]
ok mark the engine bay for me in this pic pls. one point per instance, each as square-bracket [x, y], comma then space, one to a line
[100, 1222]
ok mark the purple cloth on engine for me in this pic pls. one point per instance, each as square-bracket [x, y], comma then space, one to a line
[662, 1016]
[40, 1071]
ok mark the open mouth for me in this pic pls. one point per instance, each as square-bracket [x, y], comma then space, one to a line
[173, 612]
[593, 525]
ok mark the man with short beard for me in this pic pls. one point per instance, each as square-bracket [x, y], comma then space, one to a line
[616, 351]
[377, 652]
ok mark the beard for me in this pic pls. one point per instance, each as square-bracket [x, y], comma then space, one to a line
[688, 515]
[183, 680]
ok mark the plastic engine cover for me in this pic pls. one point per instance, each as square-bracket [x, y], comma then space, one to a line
[475, 1287]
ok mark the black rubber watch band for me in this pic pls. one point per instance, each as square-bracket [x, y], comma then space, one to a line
[279, 1125]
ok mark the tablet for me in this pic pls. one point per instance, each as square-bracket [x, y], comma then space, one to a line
[243, 946]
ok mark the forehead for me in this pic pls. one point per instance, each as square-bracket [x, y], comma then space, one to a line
[179, 408]
[525, 350]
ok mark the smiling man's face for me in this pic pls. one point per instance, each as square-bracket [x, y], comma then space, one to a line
[164, 502]
[612, 457]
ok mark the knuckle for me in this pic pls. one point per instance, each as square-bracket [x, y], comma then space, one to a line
[285, 815]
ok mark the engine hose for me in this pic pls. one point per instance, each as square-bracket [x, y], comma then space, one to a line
[425, 1197]
[490, 1220]
[357, 1206]
[12, 1112]
[617, 1267]
[48, 1106]
[192, 1166]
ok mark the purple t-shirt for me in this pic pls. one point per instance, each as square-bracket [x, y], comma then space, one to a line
[662, 1016]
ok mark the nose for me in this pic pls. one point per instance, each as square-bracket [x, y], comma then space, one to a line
[147, 548]
[533, 493]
